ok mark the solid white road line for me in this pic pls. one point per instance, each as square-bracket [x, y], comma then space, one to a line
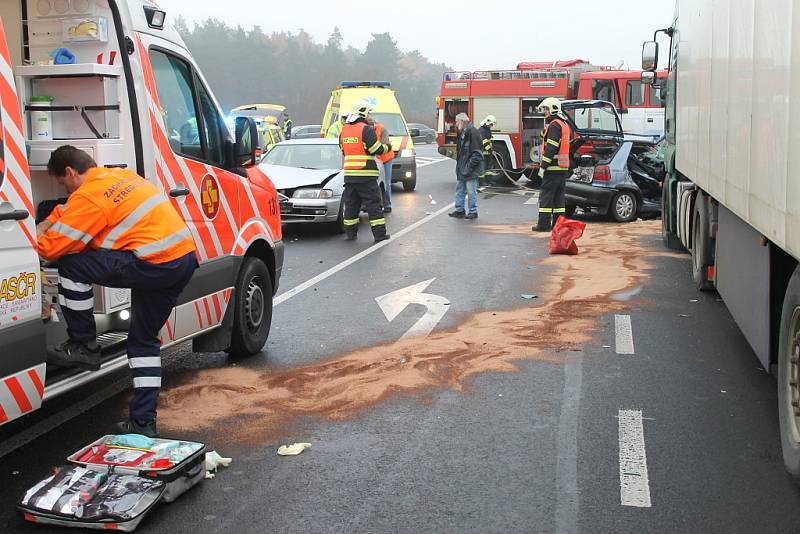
[425, 162]
[283, 297]
[624, 334]
[567, 495]
[634, 484]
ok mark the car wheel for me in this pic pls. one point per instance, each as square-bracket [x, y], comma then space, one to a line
[409, 184]
[253, 308]
[337, 226]
[624, 206]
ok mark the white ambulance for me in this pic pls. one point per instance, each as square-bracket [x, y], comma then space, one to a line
[114, 78]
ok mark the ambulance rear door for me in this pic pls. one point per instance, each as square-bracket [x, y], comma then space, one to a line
[22, 355]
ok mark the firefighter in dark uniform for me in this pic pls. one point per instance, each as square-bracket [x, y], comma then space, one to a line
[554, 169]
[486, 141]
[361, 146]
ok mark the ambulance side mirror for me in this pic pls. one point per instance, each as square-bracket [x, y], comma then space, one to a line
[246, 143]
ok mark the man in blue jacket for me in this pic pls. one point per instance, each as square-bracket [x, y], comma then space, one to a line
[469, 165]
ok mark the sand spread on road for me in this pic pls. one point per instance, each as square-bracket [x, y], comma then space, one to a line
[613, 258]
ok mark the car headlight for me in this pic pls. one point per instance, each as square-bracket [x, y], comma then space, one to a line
[407, 153]
[313, 193]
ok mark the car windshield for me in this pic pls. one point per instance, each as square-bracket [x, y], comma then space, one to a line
[596, 119]
[310, 156]
[393, 122]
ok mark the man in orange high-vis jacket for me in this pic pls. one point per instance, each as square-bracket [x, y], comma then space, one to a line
[116, 230]
[555, 166]
[385, 159]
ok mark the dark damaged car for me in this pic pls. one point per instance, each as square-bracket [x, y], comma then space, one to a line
[612, 174]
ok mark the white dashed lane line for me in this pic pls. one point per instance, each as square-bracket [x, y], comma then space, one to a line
[634, 483]
[624, 334]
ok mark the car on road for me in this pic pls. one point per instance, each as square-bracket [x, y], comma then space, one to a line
[426, 133]
[308, 176]
[307, 131]
[612, 174]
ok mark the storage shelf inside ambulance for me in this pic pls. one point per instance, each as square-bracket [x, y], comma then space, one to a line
[76, 69]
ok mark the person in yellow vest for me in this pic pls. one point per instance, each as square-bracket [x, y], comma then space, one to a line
[554, 168]
[361, 147]
[116, 230]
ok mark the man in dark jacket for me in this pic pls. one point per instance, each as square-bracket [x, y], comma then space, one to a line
[469, 165]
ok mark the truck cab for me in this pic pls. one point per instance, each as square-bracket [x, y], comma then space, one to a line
[130, 94]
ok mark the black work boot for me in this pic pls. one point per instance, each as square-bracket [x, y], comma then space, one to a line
[457, 214]
[350, 236]
[145, 428]
[472, 215]
[75, 354]
[382, 237]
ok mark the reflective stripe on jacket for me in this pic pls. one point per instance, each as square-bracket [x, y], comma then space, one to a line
[556, 137]
[486, 139]
[360, 146]
[116, 209]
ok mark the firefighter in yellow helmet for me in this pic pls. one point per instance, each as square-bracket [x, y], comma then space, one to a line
[554, 168]
[361, 147]
[486, 142]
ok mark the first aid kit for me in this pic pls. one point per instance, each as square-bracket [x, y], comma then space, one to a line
[114, 482]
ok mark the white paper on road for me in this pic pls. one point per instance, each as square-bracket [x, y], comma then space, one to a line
[624, 334]
[634, 483]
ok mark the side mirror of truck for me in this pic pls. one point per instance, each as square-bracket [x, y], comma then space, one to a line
[246, 143]
[648, 77]
[649, 55]
[414, 132]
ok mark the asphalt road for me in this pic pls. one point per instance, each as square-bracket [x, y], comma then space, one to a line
[568, 412]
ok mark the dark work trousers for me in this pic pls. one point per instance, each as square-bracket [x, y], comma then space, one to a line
[551, 198]
[367, 194]
[154, 291]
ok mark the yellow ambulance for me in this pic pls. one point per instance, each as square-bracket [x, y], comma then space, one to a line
[386, 111]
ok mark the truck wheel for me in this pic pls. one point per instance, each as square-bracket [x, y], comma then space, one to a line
[671, 241]
[788, 376]
[624, 206]
[409, 184]
[701, 245]
[253, 312]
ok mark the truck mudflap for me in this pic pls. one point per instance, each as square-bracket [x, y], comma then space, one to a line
[22, 392]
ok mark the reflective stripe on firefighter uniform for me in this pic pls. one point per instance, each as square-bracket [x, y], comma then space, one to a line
[555, 162]
[116, 209]
[361, 146]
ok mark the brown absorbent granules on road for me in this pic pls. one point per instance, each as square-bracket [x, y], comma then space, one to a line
[611, 259]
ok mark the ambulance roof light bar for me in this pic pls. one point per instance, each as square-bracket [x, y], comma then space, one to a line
[345, 85]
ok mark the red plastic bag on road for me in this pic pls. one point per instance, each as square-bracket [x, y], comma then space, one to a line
[564, 234]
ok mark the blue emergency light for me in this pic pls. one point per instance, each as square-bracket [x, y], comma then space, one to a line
[364, 84]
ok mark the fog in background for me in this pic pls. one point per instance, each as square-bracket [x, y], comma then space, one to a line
[295, 52]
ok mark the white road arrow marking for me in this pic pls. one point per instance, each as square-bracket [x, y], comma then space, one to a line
[392, 304]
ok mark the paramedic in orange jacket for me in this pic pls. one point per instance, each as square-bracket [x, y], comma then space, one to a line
[116, 230]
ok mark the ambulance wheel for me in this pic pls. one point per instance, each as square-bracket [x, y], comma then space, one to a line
[253, 308]
[409, 184]
[788, 376]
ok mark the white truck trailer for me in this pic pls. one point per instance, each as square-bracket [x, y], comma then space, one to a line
[732, 194]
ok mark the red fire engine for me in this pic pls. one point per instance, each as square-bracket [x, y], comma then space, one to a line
[513, 96]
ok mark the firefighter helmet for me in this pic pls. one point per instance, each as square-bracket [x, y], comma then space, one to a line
[551, 103]
[490, 121]
[363, 108]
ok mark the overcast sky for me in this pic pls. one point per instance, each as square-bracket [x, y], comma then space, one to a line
[482, 35]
